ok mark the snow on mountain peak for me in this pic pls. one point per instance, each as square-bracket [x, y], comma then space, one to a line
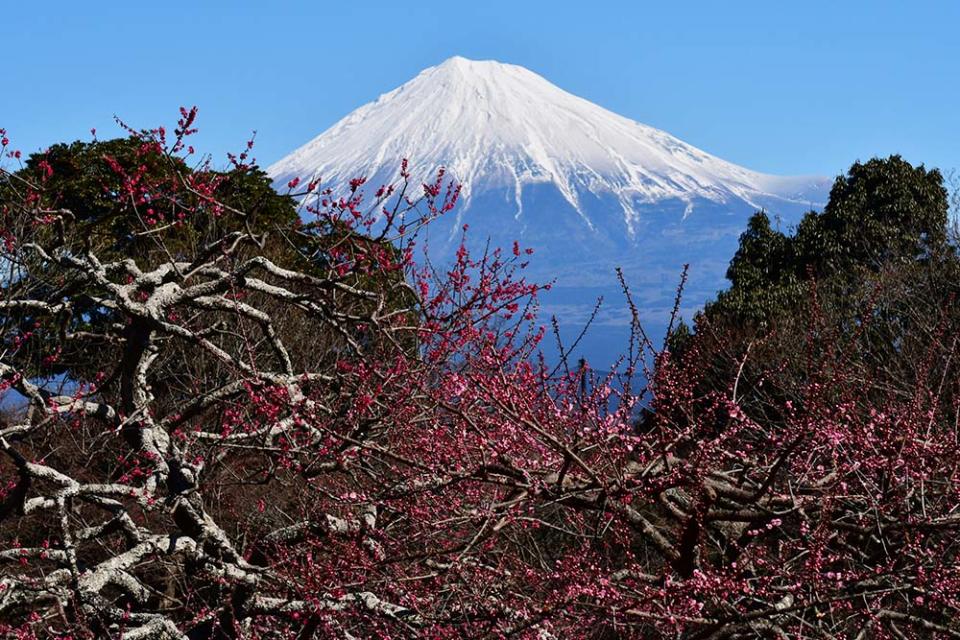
[501, 125]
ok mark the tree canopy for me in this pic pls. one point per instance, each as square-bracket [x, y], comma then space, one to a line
[880, 214]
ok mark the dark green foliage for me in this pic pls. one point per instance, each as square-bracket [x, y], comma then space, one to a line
[678, 340]
[126, 195]
[881, 213]
[763, 273]
[79, 177]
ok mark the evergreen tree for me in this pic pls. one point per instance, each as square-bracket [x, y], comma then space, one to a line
[881, 213]
[762, 273]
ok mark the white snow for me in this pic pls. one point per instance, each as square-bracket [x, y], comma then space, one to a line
[496, 125]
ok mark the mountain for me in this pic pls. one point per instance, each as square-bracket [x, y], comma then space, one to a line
[588, 189]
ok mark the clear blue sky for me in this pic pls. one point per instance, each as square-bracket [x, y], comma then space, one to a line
[782, 87]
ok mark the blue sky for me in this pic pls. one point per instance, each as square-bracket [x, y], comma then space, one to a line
[782, 87]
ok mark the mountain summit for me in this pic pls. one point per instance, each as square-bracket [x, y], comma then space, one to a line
[501, 125]
[587, 188]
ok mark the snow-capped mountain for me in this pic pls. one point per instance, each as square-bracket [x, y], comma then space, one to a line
[586, 188]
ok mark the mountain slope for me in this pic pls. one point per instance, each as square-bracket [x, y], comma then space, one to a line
[587, 188]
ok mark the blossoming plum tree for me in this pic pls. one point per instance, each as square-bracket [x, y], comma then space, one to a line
[238, 425]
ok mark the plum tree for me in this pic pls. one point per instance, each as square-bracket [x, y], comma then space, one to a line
[359, 445]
